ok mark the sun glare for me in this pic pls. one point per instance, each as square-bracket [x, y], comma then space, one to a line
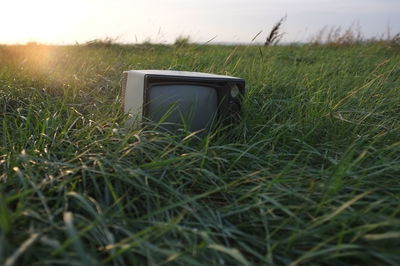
[40, 21]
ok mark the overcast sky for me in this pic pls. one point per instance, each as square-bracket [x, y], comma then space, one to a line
[71, 21]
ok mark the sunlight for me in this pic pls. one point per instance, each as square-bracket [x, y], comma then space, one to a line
[132, 21]
[41, 21]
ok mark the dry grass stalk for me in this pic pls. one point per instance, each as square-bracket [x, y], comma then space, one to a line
[275, 36]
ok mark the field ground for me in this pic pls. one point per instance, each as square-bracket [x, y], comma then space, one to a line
[310, 176]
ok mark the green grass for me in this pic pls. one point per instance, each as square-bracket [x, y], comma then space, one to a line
[309, 177]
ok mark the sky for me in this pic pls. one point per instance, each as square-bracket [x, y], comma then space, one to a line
[162, 21]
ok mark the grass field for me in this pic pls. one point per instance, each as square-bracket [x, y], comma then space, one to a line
[309, 177]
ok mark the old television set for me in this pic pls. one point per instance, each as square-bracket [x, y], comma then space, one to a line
[175, 98]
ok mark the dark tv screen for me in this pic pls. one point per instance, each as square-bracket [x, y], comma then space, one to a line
[175, 104]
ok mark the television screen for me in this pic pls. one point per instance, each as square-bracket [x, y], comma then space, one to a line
[193, 105]
[176, 98]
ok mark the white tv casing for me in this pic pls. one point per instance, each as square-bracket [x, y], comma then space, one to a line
[133, 88]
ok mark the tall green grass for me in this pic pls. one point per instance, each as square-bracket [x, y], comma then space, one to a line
[310, 175]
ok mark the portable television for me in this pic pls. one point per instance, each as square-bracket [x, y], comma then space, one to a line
[176, 98]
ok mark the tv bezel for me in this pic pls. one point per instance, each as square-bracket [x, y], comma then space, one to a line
[221, 85]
